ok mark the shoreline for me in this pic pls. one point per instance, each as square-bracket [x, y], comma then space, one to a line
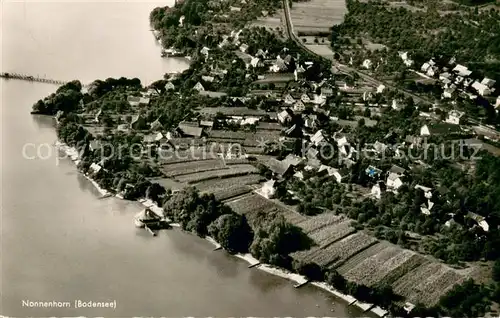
[299, 280]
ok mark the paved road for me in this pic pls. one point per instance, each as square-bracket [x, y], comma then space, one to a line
[344, 68]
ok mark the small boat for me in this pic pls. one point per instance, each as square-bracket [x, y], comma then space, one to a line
[147, 217]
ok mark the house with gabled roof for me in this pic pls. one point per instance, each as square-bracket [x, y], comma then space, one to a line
[207, 78]
[284, 116]
[199, 87]
[298, 107]
[439, 129]
[332, 172]
[289, 99]
[318, 138]
[454, 117]
[169, 86]
[462, 70]
[188, 130]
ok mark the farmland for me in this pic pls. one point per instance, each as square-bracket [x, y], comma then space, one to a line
[214, 185]
[252, 204]
[232, 171]
[317, 15]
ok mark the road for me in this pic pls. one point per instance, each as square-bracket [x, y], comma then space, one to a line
[344, 68]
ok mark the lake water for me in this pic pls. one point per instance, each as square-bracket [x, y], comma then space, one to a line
[59, 242]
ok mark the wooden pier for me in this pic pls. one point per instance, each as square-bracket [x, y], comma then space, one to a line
[30, 78]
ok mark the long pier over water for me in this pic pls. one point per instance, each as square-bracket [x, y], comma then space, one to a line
[29, 78]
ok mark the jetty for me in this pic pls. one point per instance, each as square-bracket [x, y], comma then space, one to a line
[30, 78]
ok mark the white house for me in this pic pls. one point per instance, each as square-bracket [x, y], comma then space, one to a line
[305, 98]
[462, 70]
[395, 105]
[406, 59]
[318, 138]
[95, 168]
[367, 64]
[367, 95]
[284, 116]
[454, 117]
[426, 208]
[427, 190]
[205, 51]
[319, 99]
[255, 62]
[199, 87]
[488, 82]
[480, 221]
[497, 104]
[380, 88]
[169, 86]
[206, 78]
[448, 92]
[299, 106]
[394, 181]
[332, 172]
[289, 99]
[481, 88]
[244, 48]
[377, 190]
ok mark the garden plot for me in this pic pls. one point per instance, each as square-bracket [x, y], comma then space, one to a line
[232, 171]
[317, 15]
[252, 204]
[332, 233]
[402, 269]
[167, 157]
[224, 194]
[404, 286]
[316, 222]
[226, 184]
[177, 169]
[427, 289]
[343, 249]
[379, 272]
[354, 261]
[442, 284]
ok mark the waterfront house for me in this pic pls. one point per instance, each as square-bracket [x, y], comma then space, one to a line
[169, 86]
[94, 168]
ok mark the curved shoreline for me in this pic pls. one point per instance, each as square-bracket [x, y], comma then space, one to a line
[300, 280]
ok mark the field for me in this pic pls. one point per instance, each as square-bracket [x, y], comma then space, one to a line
[252, 204]
[228, 193]
[230, 171]
[232, 111]
[317, 15]
[190, 167]
[215, 185]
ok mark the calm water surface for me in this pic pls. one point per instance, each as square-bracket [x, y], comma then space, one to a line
[59, 241]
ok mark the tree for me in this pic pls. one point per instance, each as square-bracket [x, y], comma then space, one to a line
[232, 232]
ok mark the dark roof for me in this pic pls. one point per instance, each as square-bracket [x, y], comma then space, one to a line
[444, 128]
[397, 169]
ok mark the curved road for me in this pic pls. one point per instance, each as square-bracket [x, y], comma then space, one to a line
[343, 68]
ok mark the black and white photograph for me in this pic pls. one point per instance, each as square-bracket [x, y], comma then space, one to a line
[250, 158]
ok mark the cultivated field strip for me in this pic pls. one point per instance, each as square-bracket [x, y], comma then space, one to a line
[234, 170]
[388, 266]
[444, 283]
[181, 168]
[405, 267]
[294, 217]
[354, 261]
[365, 269]
[406, 283]
[316, 222]
[227, 183]
[343, 249]
[334, 232]
[425, 287]
[224, 194]
[171, 157]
